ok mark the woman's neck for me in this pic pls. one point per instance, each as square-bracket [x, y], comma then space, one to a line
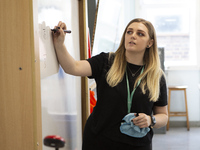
[135, 58]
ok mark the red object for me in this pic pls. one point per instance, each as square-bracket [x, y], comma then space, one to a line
[89, 48]
[92, 101]
[54, 141]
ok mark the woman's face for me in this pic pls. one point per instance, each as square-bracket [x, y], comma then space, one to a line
[137, 38]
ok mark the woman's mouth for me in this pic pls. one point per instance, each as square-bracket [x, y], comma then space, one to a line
[132, 43]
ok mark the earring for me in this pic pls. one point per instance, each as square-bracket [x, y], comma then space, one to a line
[147, 46]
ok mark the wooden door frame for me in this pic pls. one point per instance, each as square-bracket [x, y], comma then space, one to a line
[85, 103]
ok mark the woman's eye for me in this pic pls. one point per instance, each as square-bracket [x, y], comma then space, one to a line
[129, 32]
[140, 34]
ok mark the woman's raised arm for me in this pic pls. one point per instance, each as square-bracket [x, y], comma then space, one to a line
[68, 63]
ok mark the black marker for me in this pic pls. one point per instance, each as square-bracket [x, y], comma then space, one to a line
[66, 31]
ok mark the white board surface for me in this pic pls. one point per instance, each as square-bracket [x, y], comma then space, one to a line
[48, 60]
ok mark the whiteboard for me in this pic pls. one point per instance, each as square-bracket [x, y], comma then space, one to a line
[48, 60]
[60, 92]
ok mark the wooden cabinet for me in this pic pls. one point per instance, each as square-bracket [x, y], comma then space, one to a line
[20, 97]
[20, 113]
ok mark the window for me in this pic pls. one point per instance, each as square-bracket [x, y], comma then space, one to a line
[108, 26]
[113, 16]
[175, 24]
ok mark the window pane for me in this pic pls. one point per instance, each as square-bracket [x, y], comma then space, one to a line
[173, 21]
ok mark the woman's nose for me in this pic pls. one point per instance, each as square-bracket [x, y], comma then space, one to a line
[133, 36]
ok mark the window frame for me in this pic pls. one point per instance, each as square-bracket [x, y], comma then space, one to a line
[194, 31]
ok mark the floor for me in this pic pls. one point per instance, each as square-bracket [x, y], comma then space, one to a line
[178, 139]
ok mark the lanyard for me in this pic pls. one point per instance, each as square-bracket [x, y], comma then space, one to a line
[130, 96]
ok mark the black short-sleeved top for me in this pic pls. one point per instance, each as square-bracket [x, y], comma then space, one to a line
[111, 104]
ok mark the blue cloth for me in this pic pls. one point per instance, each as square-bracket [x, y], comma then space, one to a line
[130, 129]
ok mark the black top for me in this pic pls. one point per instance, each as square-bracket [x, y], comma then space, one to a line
[111, 104]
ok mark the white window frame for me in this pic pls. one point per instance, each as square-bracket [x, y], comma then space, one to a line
[194, 63]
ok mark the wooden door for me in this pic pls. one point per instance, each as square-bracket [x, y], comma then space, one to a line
[20, 93]
[20, 114]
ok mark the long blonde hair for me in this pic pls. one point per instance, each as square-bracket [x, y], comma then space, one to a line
[150, 78]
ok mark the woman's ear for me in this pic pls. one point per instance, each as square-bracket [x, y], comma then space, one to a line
[150, 43]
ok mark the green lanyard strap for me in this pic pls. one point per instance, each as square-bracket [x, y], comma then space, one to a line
[130, 96]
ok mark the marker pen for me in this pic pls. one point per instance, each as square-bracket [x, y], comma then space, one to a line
[66, 31]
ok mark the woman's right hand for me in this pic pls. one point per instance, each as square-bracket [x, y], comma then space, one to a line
[68, 63]
[59, 35]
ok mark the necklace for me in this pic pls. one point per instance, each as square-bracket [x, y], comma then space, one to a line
[133, 74]
[130, 95]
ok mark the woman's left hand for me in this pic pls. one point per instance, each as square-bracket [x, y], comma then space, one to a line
[142, 120]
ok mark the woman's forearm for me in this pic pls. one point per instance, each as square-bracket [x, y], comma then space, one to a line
[161, 120]
[66, 61]
[70, 65]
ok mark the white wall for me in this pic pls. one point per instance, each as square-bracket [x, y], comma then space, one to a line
[189, 76]
[191, 79]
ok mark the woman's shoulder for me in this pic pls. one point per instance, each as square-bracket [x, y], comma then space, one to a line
[102, 55]
[163, 79]
[107, 57]
[111, 57]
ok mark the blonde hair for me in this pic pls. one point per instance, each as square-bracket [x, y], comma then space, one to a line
[150, 78]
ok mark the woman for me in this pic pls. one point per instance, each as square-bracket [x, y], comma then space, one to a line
[129, 81]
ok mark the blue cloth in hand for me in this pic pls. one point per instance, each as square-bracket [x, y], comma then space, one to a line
[130, 129]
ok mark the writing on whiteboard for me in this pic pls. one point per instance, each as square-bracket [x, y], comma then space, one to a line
[48, 60]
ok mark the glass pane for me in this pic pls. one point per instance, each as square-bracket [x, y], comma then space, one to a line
[60, 92]
[108, 26]
[174, 23]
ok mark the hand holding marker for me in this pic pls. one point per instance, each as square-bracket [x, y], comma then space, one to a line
[55, 30]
